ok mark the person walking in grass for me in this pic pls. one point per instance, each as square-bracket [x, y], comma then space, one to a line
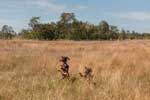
[64, 67]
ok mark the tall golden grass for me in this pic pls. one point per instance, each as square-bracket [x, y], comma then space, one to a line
[28, 70]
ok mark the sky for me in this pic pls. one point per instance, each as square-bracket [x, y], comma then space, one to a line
[126, 14]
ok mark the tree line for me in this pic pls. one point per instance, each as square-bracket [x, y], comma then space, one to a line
[70, 28]
[7, 32]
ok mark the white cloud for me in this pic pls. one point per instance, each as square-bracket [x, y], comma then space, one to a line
[139, 16]
[78, 7]
[50, 5]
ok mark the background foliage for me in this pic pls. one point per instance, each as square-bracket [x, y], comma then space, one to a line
[70, 28]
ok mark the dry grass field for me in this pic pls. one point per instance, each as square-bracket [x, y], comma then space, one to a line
[28, 70]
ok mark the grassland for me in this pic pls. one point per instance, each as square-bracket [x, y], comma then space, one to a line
[28, 70]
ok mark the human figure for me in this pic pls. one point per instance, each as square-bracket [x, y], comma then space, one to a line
[64, 70]
[87, 74]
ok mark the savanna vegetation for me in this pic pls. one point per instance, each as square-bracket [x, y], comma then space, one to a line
[28, 70]
[70, 28]
[29, 67]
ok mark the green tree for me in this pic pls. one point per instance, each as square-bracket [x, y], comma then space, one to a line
[104, 26]
[7, 32]
[113, 33]
[64, 26]
[34, 21]
[45, 31]
[122, 35]
[82, 31]
[25, 33]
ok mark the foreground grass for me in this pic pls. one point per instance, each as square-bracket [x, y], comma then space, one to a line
[28, 70]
